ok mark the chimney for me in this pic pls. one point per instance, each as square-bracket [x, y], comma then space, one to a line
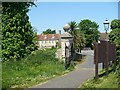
[53, 36]
[45, 37]
[59, 31]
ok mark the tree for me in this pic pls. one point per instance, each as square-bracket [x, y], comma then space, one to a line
[78, 37]
[49, 31]
[114, 37]
[72, 29]
[18, 37]
[73, 26]
[79, 40]
[115, 24]
[90, 29]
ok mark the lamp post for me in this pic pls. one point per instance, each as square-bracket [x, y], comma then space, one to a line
[106, 28]
[106, 25]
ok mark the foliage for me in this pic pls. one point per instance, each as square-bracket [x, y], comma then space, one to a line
[115, 24]
[36, 68]
[18, 36]
[115, 38]
[49, 31]
[90, 29]
[79, 40]
[73, 26]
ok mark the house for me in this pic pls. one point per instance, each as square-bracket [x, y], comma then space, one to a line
[48, 40]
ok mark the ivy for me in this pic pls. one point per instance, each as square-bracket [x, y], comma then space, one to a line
[115, 38]
[18, 35]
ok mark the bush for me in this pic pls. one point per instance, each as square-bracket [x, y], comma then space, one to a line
[18, 35]
[37, 67]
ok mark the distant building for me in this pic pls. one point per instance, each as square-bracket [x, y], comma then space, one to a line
[48, 40]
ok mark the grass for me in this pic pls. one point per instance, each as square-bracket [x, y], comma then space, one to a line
[102, 82]
[38, 67]
[0, 67]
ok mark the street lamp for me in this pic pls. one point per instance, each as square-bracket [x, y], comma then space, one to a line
[106, 25]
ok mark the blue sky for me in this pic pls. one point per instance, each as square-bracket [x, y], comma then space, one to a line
[55, 15]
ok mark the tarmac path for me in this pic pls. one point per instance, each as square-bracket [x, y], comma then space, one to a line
[73, 79]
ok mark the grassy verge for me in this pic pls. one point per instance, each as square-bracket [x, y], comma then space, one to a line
[0, 67]
[102, 82]
[36, 68]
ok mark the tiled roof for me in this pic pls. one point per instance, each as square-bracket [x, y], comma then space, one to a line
[103, 35]
[43, 37]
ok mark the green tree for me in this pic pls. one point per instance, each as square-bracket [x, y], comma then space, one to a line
[49, 31]
[114, 37]
[115, 24]
[79, 40]
[73, 26]
[90, 29]
[72, 29]
[18, 36]
[78, 37]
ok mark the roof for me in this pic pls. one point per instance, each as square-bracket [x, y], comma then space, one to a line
[103, 35]
[43, 37]
[66, 34]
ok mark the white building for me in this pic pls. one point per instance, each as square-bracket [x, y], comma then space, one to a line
[48, 40]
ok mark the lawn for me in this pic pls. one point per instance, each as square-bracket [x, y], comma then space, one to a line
[36, 68]
[102, 82]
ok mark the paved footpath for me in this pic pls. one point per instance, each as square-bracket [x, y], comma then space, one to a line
[73, 79]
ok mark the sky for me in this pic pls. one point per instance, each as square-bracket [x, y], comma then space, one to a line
[55, 15]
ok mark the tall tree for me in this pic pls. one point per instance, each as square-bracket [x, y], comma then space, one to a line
[78, 37]
[90, 29]
[49, 31]
[79, 40]
[72, 29]
[18, 36]
[73, 26]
